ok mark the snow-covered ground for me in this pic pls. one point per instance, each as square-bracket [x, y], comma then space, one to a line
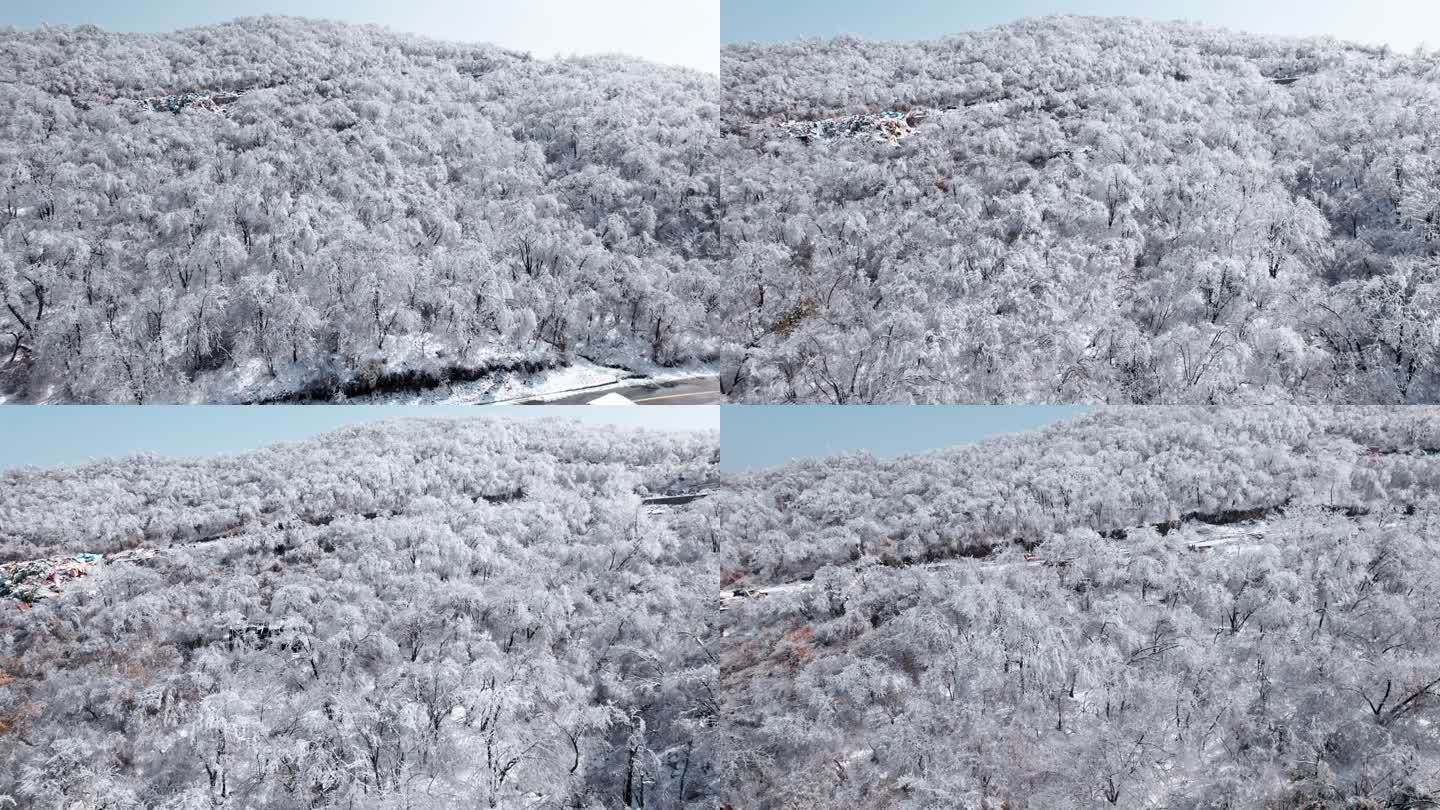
[506, 387]
[253, 382]
[611, 399]
[560, 383]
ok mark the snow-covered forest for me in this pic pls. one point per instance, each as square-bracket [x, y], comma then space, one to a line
[278, 207]
[1101, 210]
[1142, 607]
[421, 613]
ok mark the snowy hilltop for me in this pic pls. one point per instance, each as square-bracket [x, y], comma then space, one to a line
[420, 613]
[1104, 210]
[1143, 607]
[278, 208]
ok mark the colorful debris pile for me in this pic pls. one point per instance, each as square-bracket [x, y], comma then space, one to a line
[30, 581]
[886, 127]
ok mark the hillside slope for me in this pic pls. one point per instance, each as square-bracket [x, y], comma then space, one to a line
[1100, 210]
[1221, 609]
[276, 206]
[1110, 471]
[437, 613]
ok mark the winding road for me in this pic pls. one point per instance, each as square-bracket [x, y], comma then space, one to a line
[688, 391]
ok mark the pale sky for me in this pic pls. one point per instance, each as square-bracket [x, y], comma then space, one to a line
[51, 435]
[754, 437]
[674, 32]
[1402, 24]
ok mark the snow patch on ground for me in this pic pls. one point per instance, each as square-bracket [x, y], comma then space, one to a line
[252, 381]
[507, 388]
[611, 399]
[552, 386]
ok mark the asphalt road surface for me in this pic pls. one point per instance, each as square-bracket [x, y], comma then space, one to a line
[691, 391]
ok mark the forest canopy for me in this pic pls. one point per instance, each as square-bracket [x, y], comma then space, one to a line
[1086, 210]
[421, 613]
[277, 206]
[1144, 607]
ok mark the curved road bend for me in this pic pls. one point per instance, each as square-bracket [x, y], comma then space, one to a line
[689, 391]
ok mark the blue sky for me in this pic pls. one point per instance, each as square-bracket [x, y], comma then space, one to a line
[1401, 24]
[48, 435]
[677, 32]
[758, 436]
